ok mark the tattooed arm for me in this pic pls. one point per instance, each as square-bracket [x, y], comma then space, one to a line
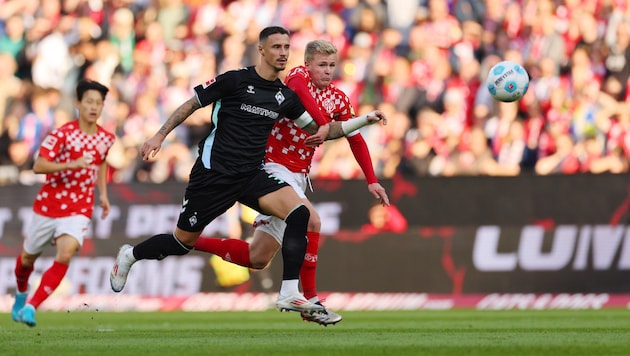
[152, 146]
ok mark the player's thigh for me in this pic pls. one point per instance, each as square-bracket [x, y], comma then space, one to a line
[70, 232]
[40, 233]
[67, 246]
[314, 221]
[296, 180]
[269, 225]
[270, 195]
[207, 196]
[280, 202]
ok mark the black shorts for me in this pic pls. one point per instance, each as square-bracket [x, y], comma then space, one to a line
[210, 194]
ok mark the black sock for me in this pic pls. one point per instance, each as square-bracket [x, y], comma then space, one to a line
[294, 242]
[159, 247]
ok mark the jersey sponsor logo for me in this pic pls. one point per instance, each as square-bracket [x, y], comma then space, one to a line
[208, 83]
[259, 111]
[250, 89]
[49, 142]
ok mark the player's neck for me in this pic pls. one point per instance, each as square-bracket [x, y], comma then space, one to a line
[87, 127]
[266, 72]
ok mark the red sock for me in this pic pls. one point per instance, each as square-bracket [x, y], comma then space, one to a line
[309, 267]
[231, 250]
[50, 281]
[21, 275]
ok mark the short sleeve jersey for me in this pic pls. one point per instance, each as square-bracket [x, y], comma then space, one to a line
[245, 109]
[71, 191]
[286, 143]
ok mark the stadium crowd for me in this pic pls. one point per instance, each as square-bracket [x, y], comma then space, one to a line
[423, 62]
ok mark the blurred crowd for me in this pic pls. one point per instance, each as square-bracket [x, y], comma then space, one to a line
[422, 62]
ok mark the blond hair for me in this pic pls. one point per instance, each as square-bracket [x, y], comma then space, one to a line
[318, 47]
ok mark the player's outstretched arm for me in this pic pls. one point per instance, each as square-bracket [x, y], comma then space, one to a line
[343, 128]
[152, 146]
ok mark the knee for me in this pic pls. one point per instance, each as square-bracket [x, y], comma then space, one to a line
[298, 216]
[314, 222]
[64, 257]
[28, 260]
[258, 263]
[65, 252]
[260, 259]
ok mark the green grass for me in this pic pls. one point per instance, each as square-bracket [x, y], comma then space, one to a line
[455, 332]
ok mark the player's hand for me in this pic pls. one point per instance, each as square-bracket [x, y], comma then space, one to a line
[151, 147]
[81, 162]
[376, 116]
[319, 137]
[104, 203]
[379, 193]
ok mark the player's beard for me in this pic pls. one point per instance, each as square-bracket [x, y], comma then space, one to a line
[280, 65]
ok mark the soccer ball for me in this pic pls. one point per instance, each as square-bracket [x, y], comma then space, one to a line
[507, 81]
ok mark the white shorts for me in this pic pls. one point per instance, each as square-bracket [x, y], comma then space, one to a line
[272, 225]
[44, 230]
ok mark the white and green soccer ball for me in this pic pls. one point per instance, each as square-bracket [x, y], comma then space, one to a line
[507, 81]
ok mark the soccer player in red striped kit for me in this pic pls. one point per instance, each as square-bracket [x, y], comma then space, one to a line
[289, 158]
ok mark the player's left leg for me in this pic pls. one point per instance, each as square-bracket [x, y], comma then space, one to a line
[309, 267]
[309, 271]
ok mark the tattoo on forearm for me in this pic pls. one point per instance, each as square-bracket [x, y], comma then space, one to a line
[179, 115]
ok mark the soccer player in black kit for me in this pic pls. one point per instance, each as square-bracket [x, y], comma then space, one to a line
[247, 102]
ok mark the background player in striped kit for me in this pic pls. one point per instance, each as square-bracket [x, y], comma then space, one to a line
[73, 159]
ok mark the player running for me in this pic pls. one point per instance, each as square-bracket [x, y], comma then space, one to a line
[73, 159]
[246, 104]
[289, 157]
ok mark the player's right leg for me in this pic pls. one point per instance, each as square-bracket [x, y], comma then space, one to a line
[208, 195]
[24, 266]
[156, 247]
[40, 232]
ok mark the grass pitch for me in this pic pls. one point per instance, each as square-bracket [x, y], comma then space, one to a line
[454, 332]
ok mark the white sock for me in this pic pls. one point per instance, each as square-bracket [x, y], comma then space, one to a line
[289, 287]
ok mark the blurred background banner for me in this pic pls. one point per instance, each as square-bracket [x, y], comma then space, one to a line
[456, 236]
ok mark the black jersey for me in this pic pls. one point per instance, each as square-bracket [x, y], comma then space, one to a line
[246, 107]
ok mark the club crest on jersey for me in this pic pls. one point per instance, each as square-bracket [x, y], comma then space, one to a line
[279, 97]
[328, 105]
[208, 83]
[250, 89]
[192, 220]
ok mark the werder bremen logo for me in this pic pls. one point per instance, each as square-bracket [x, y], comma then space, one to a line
[192, 220]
